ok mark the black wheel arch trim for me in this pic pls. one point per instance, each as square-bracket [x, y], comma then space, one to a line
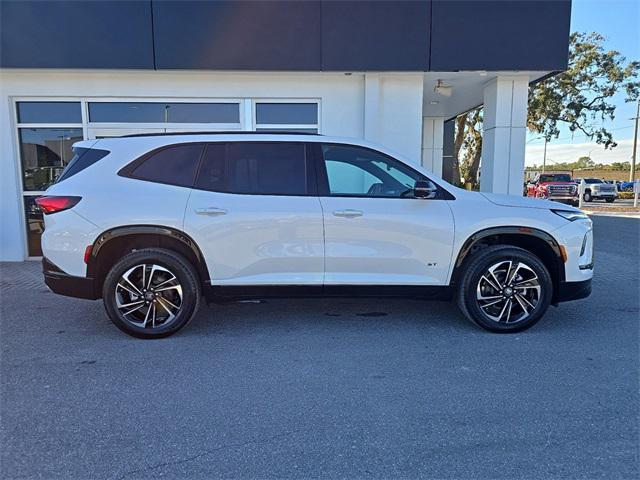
[480, 235]
[158, 230]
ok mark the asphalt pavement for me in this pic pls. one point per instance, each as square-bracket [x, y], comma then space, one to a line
[325, 388]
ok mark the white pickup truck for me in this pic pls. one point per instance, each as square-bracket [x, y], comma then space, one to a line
[596, 188]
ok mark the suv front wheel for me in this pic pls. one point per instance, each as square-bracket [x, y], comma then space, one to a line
[151, 293]
[504, 289]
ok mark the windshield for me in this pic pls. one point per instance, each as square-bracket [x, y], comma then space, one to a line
[556, 177]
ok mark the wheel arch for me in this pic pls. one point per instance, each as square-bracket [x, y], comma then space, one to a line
[114, 243]
[536, 241]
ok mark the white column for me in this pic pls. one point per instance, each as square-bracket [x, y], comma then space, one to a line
[503, 136]
[432, 143]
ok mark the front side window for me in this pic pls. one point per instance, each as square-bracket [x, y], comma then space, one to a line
[173, 165]
[356, 171]
[255, 168]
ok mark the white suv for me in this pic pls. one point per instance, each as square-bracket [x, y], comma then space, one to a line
[152, 223]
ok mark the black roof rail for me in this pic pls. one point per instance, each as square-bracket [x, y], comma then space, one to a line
[233, 132]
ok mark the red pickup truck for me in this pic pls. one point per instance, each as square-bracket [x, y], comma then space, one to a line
[554, 186]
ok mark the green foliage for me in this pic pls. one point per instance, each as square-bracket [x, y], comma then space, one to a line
[584, 163]
[580, 97]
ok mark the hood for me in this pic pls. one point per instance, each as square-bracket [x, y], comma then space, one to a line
[525, 202]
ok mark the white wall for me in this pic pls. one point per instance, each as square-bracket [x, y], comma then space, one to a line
[393, 112]
[397, 116]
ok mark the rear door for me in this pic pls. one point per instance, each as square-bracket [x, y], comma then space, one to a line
[256, 216]
[376, 231]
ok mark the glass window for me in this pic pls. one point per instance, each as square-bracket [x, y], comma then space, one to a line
[203, 112]
[49, 112]
[150, 112]
[44, 153]
[212, 175]
[82, 158]
[255, 168]
[125, 112]
[287, 113]
[175, 165]
[35, 225]
[363, 172]
[285, 130]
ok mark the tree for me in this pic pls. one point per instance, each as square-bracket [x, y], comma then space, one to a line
[472, 145]
[584, 162]
[580, 97]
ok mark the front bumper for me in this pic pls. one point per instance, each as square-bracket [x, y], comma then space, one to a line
[562, 198]
[64, 284]
[568, 291]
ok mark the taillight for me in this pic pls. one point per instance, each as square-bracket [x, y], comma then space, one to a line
[52, 204]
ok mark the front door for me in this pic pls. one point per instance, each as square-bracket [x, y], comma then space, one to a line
[376, 231]
[255, 214]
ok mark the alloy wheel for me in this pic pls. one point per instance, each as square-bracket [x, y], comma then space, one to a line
[508, 291]
[148, 296]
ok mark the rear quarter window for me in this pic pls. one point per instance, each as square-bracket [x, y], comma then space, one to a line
[172, 165]
[82, 158]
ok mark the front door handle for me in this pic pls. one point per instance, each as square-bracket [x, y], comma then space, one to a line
[348, 213]
[211, 211]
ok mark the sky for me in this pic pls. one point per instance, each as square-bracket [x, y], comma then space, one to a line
[619, 22]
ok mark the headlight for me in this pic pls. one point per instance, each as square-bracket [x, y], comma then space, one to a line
[571, 215]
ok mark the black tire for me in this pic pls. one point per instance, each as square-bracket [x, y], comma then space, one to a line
[610, 200]
[473, 270]
[185, 276]
[587, 196]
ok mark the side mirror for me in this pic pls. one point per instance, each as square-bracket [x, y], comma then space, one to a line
[424, 189]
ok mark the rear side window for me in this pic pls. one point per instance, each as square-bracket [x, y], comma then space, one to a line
[82, 158]
[173, 165]
[255, 168]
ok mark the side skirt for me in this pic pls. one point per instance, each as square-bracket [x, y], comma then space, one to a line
[225, 294]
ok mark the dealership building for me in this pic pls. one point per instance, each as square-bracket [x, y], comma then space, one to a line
[393, 72]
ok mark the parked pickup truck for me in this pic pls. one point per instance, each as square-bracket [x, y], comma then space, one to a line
[554, 186]
[596, 188]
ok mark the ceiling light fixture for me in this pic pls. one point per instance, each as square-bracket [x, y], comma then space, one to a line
[443, 89]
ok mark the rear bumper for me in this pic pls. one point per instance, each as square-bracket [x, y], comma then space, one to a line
[568, 291]
[63, 284]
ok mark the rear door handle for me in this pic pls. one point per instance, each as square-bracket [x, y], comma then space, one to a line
[211, 211]
[348, 213]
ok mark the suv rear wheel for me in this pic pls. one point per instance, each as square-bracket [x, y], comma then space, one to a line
[504, 289]
[151, 293]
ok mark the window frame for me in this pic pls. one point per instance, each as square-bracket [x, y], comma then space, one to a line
[247, 124]
[310, 169]
[167, 126]
[323, 178]
[277, 128]
[19, 174]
